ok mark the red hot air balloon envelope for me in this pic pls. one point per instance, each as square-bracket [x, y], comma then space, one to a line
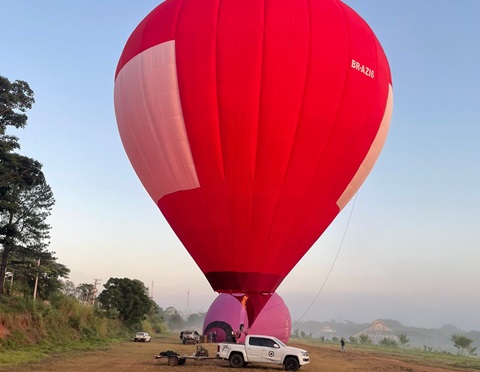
[226, 314]
[251, 124]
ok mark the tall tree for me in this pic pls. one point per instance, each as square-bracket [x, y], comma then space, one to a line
[195, 320]
[86, 293]
[23, 224]
[25, 197]
[68, 288]
[173, 319]
[15, 99]
[126, 299]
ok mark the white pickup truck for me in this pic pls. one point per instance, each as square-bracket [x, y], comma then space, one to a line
[262, 349]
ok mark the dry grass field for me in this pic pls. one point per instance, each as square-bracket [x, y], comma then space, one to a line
[133, 356]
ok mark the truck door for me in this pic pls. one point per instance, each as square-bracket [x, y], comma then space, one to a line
[254, 349]
[271, 351]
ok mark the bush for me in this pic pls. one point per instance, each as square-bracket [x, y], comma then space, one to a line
[388, 342]
[63, 320]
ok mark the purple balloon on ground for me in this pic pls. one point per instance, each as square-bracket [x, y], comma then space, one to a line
[226, 314]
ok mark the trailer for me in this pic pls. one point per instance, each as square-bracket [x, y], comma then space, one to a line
[174, 358]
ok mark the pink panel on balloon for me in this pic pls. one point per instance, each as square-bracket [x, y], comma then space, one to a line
[226, 314]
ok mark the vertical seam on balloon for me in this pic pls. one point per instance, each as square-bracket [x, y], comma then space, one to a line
[177, 16]
[375, 43]
[176, 23]
[367, 115]
[307, 69]
[216, 93]
[142, 77]
[180, 9]
[217, 90]
[150, 125]
[328, 144]
[224, 171]
[260, 257]
[348, 74]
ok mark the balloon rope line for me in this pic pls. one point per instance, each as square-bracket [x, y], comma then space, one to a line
[333, 264]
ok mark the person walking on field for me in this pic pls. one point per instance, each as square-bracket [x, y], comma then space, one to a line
[342, 344]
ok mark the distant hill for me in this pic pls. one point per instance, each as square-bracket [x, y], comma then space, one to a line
[437, 339]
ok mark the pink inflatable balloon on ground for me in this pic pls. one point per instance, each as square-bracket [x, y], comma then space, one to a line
[226, 314]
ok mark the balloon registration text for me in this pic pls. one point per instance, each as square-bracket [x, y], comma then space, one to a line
[363, 69]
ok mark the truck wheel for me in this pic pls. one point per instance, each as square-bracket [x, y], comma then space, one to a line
[236, 360]
[291, 364]
[173, 361]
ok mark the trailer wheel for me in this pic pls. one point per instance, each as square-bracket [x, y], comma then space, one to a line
[291, 364]
[181, 362]
[173, 361]
[236, 360]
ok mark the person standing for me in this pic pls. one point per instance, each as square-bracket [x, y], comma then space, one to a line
[342, 345]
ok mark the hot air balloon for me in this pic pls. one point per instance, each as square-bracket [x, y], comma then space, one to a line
[251, 124]
[226, 314]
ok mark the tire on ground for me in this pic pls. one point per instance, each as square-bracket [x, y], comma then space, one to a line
[291, 364]
[173, 361]
[236, 360]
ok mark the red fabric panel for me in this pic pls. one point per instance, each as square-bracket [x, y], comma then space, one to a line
[156, 28]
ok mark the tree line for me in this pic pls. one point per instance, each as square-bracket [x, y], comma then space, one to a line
[462, 343]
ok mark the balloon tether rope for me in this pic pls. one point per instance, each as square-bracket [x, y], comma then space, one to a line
[333, 263]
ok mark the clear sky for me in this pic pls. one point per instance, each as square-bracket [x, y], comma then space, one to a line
[412, 249]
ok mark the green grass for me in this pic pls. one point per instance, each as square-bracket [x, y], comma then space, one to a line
[29, 354]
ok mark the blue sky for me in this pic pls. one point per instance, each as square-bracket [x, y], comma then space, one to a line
[412, 248]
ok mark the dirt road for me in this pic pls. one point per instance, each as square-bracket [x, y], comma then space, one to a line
[132, 356]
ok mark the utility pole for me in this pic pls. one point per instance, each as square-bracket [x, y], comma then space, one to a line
[36, 283]
[96, 282]
[11, 281]
[151, 292]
